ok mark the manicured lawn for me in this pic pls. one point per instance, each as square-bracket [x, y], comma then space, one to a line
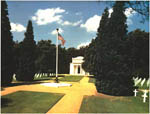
[71, 78]
[28, 102]
[97, 104]
[92, 80]
[43, 78]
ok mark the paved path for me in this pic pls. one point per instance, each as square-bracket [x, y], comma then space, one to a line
[72, 99]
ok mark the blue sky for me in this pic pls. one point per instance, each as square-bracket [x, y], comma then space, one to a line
[77, 21]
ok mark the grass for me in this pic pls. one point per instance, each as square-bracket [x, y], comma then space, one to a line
[71, 78]
[43, 78]
[97, 104]
[28, 102]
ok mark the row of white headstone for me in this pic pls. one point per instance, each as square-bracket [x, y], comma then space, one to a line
[38, 75]
[144, 95]
[140, 81]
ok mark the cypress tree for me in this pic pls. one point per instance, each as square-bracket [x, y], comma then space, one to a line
[94, 52]
[26, 67]
[101, 41]
[6, 46]
[115, 74]
[138, 44]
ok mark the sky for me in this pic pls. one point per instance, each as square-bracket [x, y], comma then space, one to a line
[77, 21]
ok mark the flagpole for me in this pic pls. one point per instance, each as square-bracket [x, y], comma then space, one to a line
[57, 57]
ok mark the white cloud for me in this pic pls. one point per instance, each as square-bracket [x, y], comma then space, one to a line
[67, 13]
[16, 27]
[45, 16]
[77, 23]
[71, 23]
[129, 21]
[110, 12]
[92, 23]
[54, 32]
[78, 13]
[83, 45]
[129, 12]
[66, 23]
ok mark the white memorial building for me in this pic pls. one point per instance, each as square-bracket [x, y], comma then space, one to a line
[76, 66]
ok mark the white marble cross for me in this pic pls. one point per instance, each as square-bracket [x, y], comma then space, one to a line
[144, 96]
[142, 83]
[148, 82]
[135, 91]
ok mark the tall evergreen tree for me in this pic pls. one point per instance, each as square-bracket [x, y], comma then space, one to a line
[26, 66]
[6, 46]
[94, 52]
[138, 44]
[115, 75]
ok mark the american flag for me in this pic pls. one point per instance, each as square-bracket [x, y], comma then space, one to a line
[62, 39]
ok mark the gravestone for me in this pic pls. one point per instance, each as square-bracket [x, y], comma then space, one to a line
[143, 82]
[144, 96]
[148, 82]
[135, 91]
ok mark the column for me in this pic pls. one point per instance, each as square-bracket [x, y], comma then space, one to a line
[71, 68]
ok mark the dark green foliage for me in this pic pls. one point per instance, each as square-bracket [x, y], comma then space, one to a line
[138, 44]
[114, 75]
[46, 57]
[89, 57]
[26, 62]
[94, 52]
[7, 65]
[107, 56]
[62, 60]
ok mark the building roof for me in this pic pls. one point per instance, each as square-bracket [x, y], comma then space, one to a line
[78, 60]
[79, 57]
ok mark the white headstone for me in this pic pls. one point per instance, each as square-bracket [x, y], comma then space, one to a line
[40, 75]
[14, 76]
[135, 91]
[37, 75]
[135, 79]
[138, 81]
[148, 82]
[144, 96]
[142, 83]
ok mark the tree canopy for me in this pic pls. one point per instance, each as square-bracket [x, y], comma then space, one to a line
[26, 67]
[6, 47]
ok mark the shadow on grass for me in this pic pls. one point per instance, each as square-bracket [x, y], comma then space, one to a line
[26, 83]
[5, 102]
[35, 81]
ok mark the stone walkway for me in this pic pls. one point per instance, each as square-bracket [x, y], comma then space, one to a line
[72, 99]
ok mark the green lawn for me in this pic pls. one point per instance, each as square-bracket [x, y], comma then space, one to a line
[43, 78]
[97, 104]
[71, 78]
[28, 102]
